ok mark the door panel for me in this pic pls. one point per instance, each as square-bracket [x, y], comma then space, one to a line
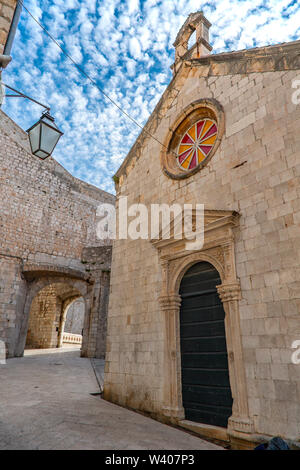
[206, 389]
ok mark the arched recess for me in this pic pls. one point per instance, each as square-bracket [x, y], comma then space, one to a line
[69, 285]
[175, 260]
[47, 312]
[67, 310]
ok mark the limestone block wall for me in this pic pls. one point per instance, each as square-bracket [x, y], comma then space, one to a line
[99, 260]
[256, 172]
[7, 8]
[12, 296]
[47, 218]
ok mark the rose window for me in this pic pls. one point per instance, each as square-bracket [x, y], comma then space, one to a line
[196, 144]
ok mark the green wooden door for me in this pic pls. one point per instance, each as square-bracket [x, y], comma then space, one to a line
[206, 389]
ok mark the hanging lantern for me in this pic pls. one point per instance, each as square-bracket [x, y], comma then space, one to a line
[43, 136]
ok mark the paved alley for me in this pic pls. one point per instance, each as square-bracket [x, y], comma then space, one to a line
[46, 402]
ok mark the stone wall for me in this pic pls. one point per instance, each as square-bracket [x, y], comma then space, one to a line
[256, 172]
[44, 320]
[48, 218]
[99, 261]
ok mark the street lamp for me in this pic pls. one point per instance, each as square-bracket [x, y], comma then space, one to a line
[43, 136]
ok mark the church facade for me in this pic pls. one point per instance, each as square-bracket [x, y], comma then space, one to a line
[206, 338]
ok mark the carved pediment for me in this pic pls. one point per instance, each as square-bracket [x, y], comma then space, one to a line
[216, 226]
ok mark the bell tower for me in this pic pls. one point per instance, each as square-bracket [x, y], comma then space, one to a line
[195, 22]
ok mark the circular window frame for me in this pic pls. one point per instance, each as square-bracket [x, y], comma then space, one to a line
[208, 108]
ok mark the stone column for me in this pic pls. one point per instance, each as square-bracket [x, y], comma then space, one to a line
[172, 404]
[230, 294]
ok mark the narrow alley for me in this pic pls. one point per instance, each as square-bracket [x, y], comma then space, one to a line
[50, 400]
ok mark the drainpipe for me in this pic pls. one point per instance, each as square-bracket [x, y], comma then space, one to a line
[5, 58]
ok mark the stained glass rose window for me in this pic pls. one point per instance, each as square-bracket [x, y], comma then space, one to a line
[196, 144]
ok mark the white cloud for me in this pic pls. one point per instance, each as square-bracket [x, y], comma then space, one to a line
[135, 48]
[133, 6]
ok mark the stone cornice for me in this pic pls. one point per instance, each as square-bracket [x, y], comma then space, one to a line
[284, 56]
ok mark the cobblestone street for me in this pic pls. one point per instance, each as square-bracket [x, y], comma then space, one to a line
[47, 402]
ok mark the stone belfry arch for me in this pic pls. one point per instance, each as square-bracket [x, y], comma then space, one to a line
[195, 22]
[175, 260]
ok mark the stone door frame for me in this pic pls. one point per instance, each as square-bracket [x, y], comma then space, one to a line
[175, 260]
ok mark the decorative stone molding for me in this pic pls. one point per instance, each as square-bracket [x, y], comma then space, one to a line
[218, 250]
[200, 109]
[275, 58]
[229, 292]
[169, 302]
[170, 305]
[240, 425]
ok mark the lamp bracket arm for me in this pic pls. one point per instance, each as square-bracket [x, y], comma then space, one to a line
[22, 95]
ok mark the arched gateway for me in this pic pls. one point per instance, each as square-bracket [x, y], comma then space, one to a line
[48, 290]
[206, 392]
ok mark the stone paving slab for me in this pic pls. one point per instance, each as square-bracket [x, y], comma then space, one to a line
[46, 403]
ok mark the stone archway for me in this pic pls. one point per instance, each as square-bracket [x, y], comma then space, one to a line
[71, 326]
[47, 315]
[218, 250]
[67, 285]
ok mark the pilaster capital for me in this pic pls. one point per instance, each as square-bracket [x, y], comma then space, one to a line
[228, 292]
[170, 302]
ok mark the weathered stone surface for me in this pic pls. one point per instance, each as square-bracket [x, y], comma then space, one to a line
[48, 222]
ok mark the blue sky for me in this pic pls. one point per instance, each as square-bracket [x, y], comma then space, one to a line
[126, 46]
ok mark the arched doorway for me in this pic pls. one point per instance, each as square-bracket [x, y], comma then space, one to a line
[73, 323]
[67, 285]
[47, 315]
[206, 392]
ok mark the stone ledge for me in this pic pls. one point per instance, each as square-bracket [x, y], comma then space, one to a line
[262, 59]
[31, 271]
[205, 430]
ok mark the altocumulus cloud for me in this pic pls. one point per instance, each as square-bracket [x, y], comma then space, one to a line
[126, 46]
